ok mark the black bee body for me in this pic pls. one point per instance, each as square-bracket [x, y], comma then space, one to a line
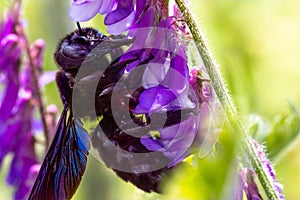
[65, 161]
[66, 158]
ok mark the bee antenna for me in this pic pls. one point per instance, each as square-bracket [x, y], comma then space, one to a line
[79, 28]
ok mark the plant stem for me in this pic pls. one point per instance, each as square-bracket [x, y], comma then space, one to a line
[226, 101]
[41, 105]
[35, 79]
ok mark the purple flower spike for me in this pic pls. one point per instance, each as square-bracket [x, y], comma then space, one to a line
[16, 104]
[9, 68]
[268, 168]
[248, 176]
[250, 186]
[21, 164]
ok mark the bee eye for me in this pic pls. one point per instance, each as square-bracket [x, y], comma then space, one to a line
[75, 52]
[78, 49]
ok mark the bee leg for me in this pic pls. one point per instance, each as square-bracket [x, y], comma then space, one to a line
[64, 83]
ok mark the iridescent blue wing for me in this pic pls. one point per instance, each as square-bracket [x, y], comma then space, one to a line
[65, 162]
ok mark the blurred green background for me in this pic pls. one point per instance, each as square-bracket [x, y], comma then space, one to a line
[256, 43]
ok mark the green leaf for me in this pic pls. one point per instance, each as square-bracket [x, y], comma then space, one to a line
[279, 134]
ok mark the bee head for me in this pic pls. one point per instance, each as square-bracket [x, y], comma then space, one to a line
[73, 49]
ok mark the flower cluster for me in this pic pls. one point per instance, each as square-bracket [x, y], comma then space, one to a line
[119, 14]
[17, 104]
[159, 47]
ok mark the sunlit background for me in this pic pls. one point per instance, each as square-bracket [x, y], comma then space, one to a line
[257, 45]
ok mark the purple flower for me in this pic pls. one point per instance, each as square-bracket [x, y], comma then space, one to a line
[24, 158]
[10, 58]
[123, 15]
[268, 168]
[165, 79]
[237, 192]
[160, 50]
[119, 14]
[17, 106]
[249, 185]
[246, 178]
[174, 141]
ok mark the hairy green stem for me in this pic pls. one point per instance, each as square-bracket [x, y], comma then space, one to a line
[226, 101]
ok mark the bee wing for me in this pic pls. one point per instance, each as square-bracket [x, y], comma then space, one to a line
[112, 43]
[108, 51]
[65, 161]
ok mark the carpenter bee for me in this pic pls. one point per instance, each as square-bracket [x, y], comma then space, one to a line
[66, 159]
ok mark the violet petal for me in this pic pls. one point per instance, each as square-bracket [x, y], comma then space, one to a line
[84, 10]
